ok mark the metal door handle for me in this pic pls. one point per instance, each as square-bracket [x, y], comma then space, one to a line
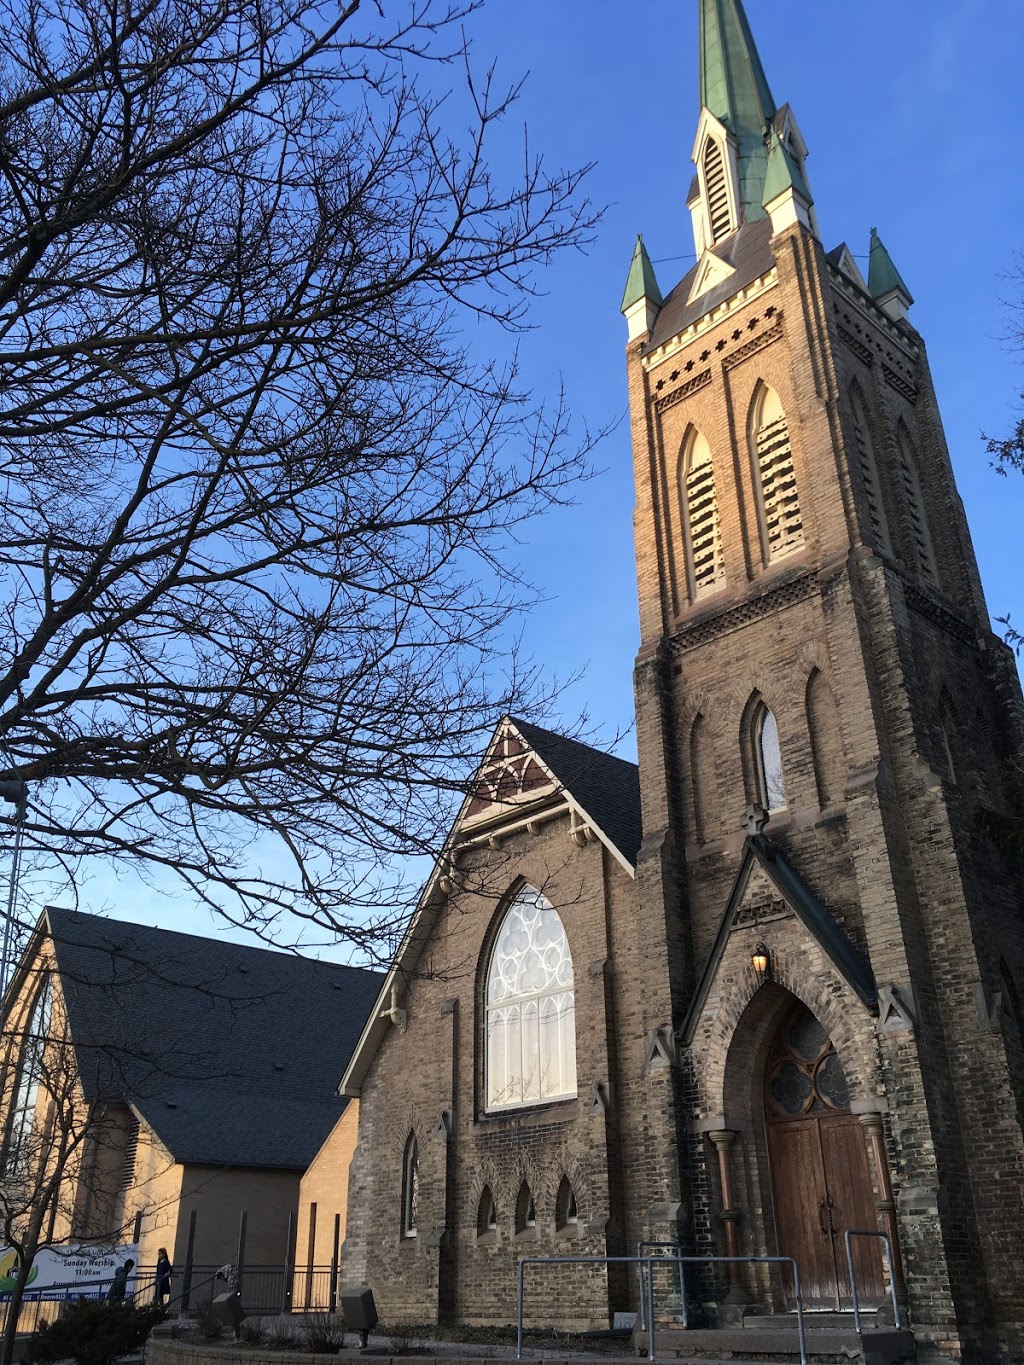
[831, 1222]
[821, 1218]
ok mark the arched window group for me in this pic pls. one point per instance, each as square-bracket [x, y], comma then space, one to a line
[526, 1217]
[877, 521]
[530, 1008]
[917, 521]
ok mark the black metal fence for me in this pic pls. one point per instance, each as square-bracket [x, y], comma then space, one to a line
[43, 1306]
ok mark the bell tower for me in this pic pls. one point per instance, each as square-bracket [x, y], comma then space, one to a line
[828, 730]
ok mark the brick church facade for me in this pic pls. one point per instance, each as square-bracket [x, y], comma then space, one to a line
[768, 987]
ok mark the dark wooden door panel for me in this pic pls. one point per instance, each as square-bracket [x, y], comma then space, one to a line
[851, 1205]
[801, 1198]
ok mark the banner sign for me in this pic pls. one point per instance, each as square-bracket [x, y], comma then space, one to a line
[68, 1272]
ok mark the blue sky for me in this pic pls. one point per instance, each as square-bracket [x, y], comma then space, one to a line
[911, 113]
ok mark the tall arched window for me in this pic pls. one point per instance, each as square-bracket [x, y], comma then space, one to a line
[486, 1214]
[705, 570]
[410, 1187]
[717, 190]
[768, 760]
[703, 780]
[526, 1210]
[879, 526]
[530, 1008]
[917, 519]
[17, 1147]
[782, 528]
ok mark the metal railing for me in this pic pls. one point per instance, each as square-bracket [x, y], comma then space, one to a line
[42, 1305]
[641, 1247]
[649, 1262]
[872, 1232]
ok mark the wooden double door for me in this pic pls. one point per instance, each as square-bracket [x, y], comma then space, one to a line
[819, 1167]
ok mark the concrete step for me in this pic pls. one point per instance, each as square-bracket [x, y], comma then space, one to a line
[779, 1344]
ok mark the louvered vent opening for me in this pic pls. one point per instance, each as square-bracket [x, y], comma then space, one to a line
[717, 192]
[705, 532]
[923, 552]
[784, 530]
[869, 473]
[131, 1151]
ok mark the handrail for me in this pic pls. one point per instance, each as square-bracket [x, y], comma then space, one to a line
[650, 1262]
[871, 1232]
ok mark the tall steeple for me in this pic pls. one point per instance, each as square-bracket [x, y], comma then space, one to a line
[740, 134]
[735, 89]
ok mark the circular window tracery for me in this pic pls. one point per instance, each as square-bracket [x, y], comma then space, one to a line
[804, 1075]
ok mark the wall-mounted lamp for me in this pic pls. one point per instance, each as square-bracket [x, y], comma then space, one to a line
[760, 960]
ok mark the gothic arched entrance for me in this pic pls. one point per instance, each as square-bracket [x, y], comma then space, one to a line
[819, 1167]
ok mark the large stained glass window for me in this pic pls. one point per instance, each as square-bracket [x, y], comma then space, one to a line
[530, 1008]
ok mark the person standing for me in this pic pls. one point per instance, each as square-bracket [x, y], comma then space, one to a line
[164, 1271]
[119, 1287]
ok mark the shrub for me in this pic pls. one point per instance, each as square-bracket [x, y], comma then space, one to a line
[93, 1332]
[323, 1334]
[209, 1323]
[253, 1331]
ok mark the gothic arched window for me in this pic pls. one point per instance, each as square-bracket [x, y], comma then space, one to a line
[716, 189]
[526, 1210]
[486, 1214]
[530, 1008]
[29, 1081]
[410, 1187]
[768, 760]
[879, 526]
[782, 527]
[705, 570]
[566, 1215]
[917, 518]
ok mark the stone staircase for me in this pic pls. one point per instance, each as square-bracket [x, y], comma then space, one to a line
[831, 1340]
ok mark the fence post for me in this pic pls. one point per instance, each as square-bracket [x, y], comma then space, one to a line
[334, 1263]
[289, 1265]
[190, 1247]
[240, 1255]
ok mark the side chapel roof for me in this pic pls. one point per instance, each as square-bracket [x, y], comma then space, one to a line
[229, 1053]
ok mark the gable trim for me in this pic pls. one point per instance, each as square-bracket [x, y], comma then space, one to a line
[845, 957]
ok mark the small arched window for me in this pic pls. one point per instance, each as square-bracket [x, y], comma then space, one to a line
[782, 527]
[31, 1067]
[717, 190]
[705, 570]
[877, 523]
[917, 518]
[410, 1187]
[486, 1214]
[768, 760]
[566, 1215]
[526, 1210]
[530, 1008]
[826, 740]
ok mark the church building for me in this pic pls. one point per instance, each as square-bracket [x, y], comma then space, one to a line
[767, 987]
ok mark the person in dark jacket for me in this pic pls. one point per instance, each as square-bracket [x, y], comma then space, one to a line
[164, 1271]
[119, 1287]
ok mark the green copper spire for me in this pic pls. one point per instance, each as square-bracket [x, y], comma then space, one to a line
[641, 283]
[883, 277]
[734, 88]
[783, 173]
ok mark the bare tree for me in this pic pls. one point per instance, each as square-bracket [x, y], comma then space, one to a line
[258, 496]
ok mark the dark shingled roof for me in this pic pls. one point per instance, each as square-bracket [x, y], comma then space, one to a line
[230, 1053]
[607, 788]
[748, 251]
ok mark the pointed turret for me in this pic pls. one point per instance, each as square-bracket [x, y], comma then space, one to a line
[641, 298]
[787, 198]
[885, 283]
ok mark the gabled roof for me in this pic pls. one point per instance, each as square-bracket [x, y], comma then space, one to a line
[606, 788]
[230, 1053]
[748, 251]
[602, 790]
[816, 918]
